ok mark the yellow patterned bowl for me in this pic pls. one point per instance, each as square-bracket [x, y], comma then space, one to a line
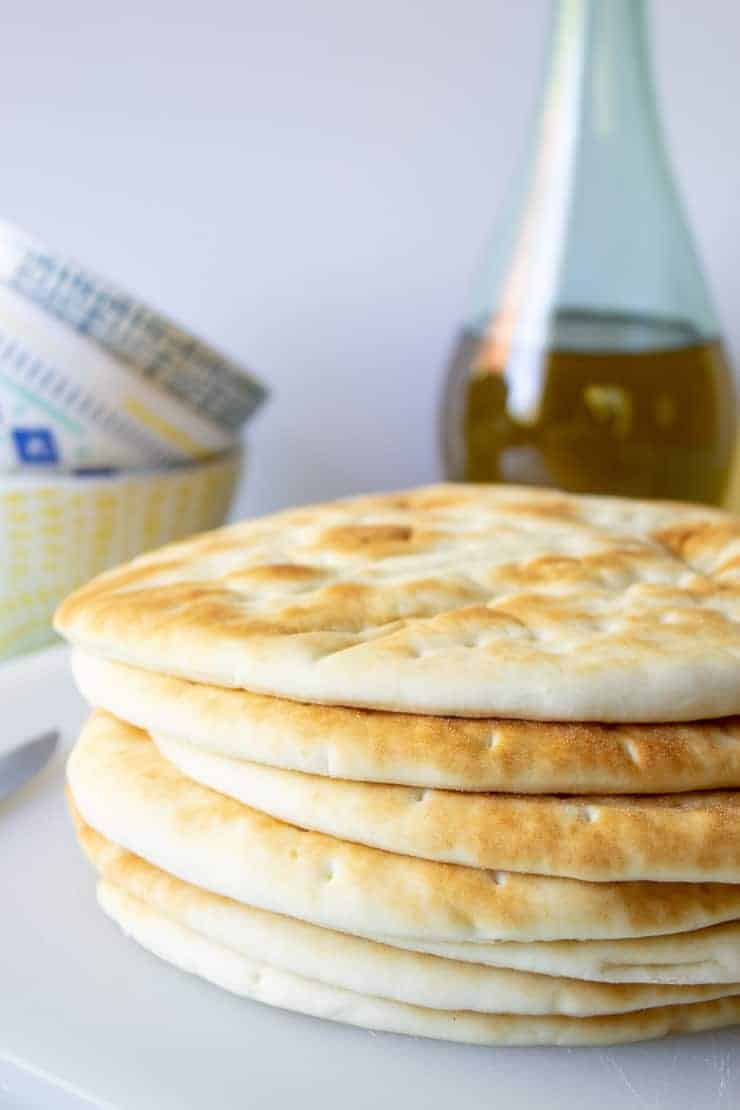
[58, 530]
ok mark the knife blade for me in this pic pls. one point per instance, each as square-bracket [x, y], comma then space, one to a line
[22, 763]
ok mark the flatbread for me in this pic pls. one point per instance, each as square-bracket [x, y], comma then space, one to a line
[461, 600]
[709, 955]
[366, 966]
[678, 837]
[448, 752]
[191, 952]
[129, 793]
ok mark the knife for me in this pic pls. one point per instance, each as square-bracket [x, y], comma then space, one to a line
[22, 763]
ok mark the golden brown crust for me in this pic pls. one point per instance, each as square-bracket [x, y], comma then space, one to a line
[367, 966]
[459, 600]
[447, 752]
[126, 790]
[679, 837]
[708, 955]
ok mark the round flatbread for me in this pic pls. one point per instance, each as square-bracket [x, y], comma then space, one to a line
[709, 955]
[366, 966]
[129, 793]
[447, 752]
[679, 837]
[461, 600]
[219, 965]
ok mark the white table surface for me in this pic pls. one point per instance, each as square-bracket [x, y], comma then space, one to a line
[87, 1016]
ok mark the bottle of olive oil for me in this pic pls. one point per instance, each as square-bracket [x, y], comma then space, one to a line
[591, 357]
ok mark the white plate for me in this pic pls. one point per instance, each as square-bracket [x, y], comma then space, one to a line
[84, 1012]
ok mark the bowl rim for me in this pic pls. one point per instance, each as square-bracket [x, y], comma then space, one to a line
[58, 476]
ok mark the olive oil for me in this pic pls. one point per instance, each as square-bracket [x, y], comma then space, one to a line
[590, 357]
[655, 422]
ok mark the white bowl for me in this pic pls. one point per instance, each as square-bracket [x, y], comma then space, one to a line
[92, 377]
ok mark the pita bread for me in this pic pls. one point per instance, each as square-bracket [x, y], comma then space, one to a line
[677, 837]
[710, 955]
[366, 966]
[705, 956]
[448, 752]
[192, 952]
[129, 793]
[461, 600]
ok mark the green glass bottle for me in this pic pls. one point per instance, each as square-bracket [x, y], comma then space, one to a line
[590, 358]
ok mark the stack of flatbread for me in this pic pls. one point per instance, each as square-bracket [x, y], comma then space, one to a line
[458, 762]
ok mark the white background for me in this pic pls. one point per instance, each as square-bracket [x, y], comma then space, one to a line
[308, 183]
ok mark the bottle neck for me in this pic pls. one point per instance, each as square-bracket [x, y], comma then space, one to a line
[601, 232]
[600, 74]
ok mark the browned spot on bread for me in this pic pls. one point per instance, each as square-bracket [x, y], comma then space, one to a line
[693, 540]
[285, 574]
[546, 507]
[379, 541]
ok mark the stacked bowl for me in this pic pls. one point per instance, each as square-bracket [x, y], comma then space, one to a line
[459, 762]
[118, 432]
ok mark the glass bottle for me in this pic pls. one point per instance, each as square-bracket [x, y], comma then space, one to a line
[590, 358]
